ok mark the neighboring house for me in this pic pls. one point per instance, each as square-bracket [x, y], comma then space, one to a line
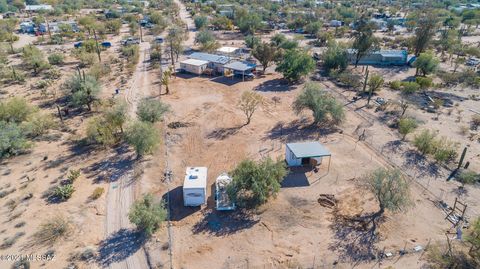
[195, 186]
[226, 10]
[193, 66]
[380, 57]
[229, 51]
[55, 27]
[37, 8]
[215, 62]
[27, 27]
[335, 23]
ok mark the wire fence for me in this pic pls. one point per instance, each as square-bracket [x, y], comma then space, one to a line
[428, 176]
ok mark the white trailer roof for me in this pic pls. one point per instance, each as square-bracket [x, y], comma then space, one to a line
[227, 49]
[194, 62]
[195, 177]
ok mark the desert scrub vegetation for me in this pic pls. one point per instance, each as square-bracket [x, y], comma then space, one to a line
[255, 182]
[10, 241]
[83, 90]
[326, 109]
[51, 231]
[97, 193]
[441, 149]
[147, 215]
[151, 110]
[56, 59]
[34, 59]
[143, 137]
[107, 128]
[19, 122]
[131, 54]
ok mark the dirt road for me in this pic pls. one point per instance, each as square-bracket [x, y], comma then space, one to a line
[121, 194]
[187, 18]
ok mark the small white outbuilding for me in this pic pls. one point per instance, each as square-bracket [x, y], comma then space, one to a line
[195, 186]
[306, 154]
[194, 66]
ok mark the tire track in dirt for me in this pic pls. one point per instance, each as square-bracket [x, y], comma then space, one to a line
[121, 194]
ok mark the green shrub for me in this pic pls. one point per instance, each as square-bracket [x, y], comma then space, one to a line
[152, 110]
[38, 124]
[424, 82]
[395, 85]
[73, 175]
[410, 87]
[63, 192]
[55, 59]
[13, 140]
[406, 126]
[97, 193]
[425, 142]
[131, 53]
[147, 214]
[16, 110]
[143, 137]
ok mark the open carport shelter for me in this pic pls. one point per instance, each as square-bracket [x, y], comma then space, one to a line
[306, 154]
[241, 68]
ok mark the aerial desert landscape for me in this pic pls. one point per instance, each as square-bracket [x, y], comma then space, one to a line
[239, 134]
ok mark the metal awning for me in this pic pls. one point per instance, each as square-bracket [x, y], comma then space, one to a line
[308, 150]
[240, 66]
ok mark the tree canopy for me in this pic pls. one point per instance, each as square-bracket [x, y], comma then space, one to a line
[326, 109]
[295, 64]
[147, 215]
[255, 182]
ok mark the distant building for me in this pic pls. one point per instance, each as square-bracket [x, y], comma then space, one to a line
[226, 10]
[215, 62]
[229, 51]
[193, 66]
[55, 27]
[309, 153]
[27, 27]
[37, 8]
[380, 57]
[335, 23]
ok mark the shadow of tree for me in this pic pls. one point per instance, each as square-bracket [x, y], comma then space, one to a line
[221, 223]
[119, 246]
[275, 85]
[355, 237]
[296, 130]
[223, 133]
[395, 146]
[421, 164]
[113, 169]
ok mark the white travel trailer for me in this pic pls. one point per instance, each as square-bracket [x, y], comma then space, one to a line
[195, 186]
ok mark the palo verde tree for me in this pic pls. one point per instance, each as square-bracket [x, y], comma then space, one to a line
[335, 58]
[84, 90]
[174, 41]
[374, 84]
[326, 109]
[34, 59]
[424, 33]
[390, 189]
[255, 182]
[364, 41]
[406, 126]
[143, 137]
[7, 29]
[208, 42]
[426, 63]
[265, 54]
[147, 215]
[249, 102]
[151, 110]
[295, 64]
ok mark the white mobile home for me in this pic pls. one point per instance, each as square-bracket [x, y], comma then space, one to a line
[305, 154]
[193, 66]
[195, 186]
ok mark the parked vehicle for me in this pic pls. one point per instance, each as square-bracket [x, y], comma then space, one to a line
[158, 39]
[130, 41]
[106, 44]
[78, 44]
[473, 61]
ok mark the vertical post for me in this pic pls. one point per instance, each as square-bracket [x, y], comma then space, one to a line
[59, 114]
[462, 158]
[96, 45]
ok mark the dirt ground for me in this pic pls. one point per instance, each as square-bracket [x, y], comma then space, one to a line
[293, 228]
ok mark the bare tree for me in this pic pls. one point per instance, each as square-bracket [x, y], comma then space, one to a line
[249, 102]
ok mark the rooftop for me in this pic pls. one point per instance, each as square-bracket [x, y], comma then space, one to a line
[195, 177]
[227, 49]
[240, 66]
[194, 62]
[210, 57]
[308, 149]
[38, 7]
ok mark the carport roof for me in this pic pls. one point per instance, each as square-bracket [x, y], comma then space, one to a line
[308, 149]
[240, 66]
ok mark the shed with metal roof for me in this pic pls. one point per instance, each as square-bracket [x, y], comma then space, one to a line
[308, 153]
